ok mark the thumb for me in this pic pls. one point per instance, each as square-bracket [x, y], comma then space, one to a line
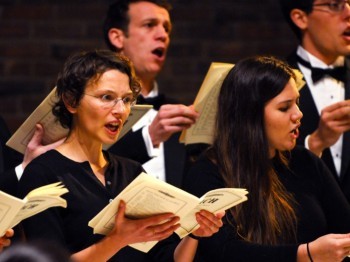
[38, 135]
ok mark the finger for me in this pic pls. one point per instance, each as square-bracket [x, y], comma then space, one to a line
[9, 233]
[166, 225]
[38, 135]
[157, 219]
[121, 211]
[335, 106]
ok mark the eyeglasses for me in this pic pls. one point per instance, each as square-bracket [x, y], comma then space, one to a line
[335, 6]
[109, 101]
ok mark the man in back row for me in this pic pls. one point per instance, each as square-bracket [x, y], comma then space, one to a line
[323, 28]
[141, 31]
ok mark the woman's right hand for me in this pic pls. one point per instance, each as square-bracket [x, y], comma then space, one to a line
[331, 247]
[153, 228]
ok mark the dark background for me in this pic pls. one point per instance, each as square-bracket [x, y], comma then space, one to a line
[36, 36]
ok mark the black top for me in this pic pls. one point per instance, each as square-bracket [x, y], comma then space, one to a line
[9, 159]
[320, 209]
[87, 196]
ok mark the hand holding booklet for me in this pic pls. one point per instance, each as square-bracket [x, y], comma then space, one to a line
[53, 130]
[146, 196]
[206, 104]
[13, 210]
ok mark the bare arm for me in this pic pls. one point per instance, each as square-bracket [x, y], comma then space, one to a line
[209, 225]
[328, 248]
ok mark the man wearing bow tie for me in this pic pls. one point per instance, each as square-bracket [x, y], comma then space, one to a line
[141, 31]
[323, 28]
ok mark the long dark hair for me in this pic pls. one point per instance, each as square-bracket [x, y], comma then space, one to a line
[242, 154]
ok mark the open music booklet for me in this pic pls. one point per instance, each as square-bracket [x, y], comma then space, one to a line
[146, 196]
[206, 104]
[13, 210]
[53, 129]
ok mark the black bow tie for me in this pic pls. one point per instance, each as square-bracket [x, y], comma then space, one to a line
[319, 73]
[156, 101]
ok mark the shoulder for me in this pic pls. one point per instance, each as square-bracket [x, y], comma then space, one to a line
[122, 162]
[305, 162]
[202, 176]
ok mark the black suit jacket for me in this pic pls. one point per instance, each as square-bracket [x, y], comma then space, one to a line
[310, 123]
[9, 159]
[133, 146]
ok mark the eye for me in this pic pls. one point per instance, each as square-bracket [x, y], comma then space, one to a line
[167, 28]
[128, 100]
[334, 5]
[106, 98]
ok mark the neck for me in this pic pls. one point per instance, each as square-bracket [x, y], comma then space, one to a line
[326, 57]
[147, 84]
[81, 150]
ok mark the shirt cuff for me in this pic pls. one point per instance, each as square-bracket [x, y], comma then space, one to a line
[152, 151]
[307, 145]
[19, 171]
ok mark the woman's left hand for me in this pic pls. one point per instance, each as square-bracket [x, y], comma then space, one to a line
[209, 223]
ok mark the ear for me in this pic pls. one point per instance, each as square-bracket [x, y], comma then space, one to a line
[116, 37]
[69, 105]
[299, 18]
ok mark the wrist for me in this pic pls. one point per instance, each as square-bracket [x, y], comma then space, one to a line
[316, 144]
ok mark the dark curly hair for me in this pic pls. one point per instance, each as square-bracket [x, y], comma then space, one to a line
[79, 70]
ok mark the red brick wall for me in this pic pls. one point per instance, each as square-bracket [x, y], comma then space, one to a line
[36, 36]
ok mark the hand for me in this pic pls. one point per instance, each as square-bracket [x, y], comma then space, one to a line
[331, 247]
[5, 239]
[334, 121]
[35, 146]
[169, 120]
[154, 228]
[209, 223]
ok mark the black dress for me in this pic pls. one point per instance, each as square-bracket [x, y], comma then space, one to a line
[321, 208]
[87, 196]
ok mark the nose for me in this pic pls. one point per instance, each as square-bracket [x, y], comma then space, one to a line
[347, 9]
[297, 115]
[119, 106]
[162, 33]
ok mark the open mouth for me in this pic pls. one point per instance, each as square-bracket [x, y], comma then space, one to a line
[295, 131]
[113, 127]
[158, 52]
[347, 33]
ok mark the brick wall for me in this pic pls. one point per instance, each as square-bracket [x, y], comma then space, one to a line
[36, 36]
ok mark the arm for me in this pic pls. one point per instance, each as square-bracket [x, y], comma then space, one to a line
[209, 225]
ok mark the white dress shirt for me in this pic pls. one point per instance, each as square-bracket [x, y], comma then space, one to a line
[325, 92]
[156, 165]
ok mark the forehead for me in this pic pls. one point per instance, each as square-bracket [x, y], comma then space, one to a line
[289, 92]
[112, 79]
[146, 10]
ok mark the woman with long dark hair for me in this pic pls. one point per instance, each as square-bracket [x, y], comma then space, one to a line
[293, 203]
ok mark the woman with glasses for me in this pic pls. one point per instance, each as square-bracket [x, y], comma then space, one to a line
[96, 91]
[295, 210]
